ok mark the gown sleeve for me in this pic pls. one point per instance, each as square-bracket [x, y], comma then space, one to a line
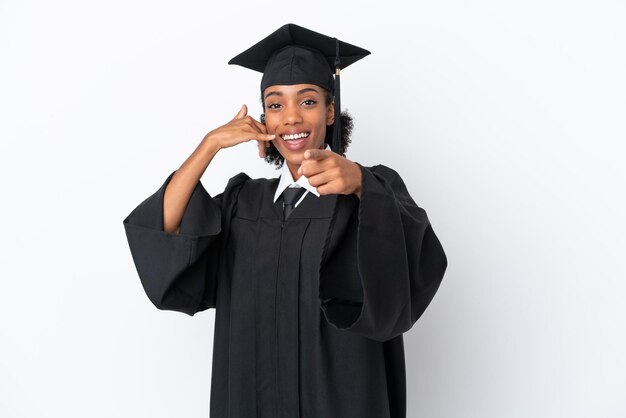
[179, 271]
[389, 264]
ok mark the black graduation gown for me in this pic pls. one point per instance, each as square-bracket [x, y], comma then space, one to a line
[309, 311]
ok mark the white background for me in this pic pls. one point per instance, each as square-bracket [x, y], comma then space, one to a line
[505, 119]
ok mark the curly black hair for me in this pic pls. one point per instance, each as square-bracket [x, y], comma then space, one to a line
[272, 156]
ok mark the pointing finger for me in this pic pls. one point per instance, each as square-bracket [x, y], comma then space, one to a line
[316, 154]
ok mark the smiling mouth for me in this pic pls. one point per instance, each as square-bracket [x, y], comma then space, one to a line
[295, 137]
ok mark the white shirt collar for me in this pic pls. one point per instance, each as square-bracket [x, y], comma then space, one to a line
[286, 180]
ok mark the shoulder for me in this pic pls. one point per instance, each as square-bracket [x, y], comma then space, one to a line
[237, 180]
[390, 180]
[243, 183]
[384, 170]
[248, 195]
[387, 173]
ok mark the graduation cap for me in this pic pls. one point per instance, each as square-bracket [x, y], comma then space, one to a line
[297, 55]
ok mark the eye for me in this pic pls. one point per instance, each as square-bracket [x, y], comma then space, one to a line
[273, 106]
[309, 102]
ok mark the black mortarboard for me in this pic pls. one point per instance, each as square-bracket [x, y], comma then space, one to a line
[296, 55]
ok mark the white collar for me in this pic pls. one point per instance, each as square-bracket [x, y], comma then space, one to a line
[286, 180]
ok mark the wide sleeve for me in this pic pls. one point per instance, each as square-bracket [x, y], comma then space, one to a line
[178, 271]
[389, 264]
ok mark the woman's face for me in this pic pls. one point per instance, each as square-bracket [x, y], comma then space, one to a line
[298, 115]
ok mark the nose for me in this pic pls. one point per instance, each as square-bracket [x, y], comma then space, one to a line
[291, 115]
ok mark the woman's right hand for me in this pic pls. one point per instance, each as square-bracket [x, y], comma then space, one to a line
[242, 128]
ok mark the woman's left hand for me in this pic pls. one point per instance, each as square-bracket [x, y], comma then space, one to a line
[331, 173]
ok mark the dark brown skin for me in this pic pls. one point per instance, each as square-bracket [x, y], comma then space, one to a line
[287, 109]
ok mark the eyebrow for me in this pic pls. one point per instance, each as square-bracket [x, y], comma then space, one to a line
[280, 93]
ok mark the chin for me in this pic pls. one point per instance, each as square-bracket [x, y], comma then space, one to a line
[295, 158]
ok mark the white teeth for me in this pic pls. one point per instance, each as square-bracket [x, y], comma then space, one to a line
[296, 136]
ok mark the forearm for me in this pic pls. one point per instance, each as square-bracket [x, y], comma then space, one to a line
[183, 182]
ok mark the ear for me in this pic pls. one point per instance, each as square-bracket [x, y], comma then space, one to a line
[330, 114]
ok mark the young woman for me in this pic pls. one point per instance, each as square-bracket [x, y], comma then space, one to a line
[314, 275]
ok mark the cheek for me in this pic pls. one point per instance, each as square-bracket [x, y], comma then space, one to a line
[270, 125]
[319, 120]
[323, 124]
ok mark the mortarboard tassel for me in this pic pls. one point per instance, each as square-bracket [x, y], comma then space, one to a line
[337, 124]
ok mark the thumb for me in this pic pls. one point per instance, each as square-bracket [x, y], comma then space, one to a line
[242, 112]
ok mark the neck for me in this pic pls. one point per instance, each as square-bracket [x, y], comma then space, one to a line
[293, 169]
